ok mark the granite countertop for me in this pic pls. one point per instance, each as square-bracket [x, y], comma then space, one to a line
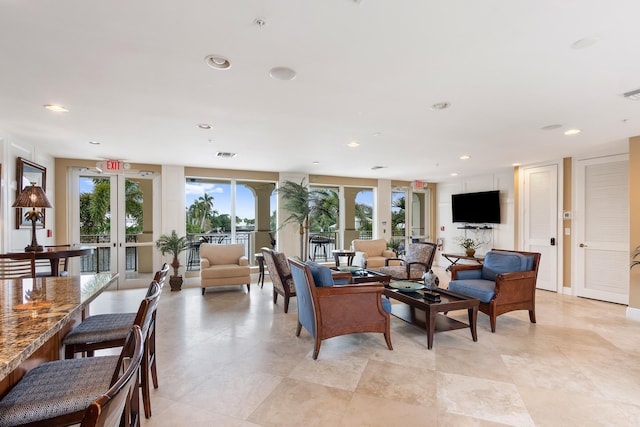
[28, 317]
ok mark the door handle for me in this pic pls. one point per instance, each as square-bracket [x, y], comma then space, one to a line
[582, 245]
[553, 241]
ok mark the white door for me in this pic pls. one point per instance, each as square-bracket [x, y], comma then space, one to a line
[602, 228]
[540, 231]
[115, 213]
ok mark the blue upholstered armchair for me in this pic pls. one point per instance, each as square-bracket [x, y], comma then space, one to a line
[506, 281]
[328, 311]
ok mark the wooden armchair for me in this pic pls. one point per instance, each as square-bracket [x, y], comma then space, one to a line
[330, 311]
[505, 282]
[280, 276]
[417, 261]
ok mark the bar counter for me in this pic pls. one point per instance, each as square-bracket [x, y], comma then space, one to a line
[33, 321]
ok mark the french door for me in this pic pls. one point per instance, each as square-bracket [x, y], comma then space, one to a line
[116, 214]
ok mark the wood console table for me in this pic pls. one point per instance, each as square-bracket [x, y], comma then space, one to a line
[454, 258]
[32, 330]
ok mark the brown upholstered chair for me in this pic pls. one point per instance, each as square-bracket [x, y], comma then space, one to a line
[417, 261]
[280, 275]
[505, 282]
[330, 311]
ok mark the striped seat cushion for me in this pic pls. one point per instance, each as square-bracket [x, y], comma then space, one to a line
[57, 388]
[101, 327]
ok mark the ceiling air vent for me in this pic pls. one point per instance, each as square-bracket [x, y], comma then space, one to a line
[225, 155]
[634, 95]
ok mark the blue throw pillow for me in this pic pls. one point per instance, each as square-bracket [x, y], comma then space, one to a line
[502, 262]
[321, 274]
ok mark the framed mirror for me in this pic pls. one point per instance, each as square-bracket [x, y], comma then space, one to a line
[26, 173]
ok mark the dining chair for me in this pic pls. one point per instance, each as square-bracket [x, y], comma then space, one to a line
[17, 265]
[59, 393]
[108, 330]
[43, 266]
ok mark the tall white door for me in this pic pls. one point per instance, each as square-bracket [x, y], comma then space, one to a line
[541, 221]
[602, 228]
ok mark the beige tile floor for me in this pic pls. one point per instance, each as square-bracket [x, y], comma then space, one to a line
[231, 358]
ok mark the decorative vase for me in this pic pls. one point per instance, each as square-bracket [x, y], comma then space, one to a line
[470, 252]
[176, 283]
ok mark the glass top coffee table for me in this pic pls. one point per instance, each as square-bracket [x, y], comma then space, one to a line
[427, 314]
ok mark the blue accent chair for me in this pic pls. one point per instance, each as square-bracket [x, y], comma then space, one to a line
[330, 311]
[505, 282]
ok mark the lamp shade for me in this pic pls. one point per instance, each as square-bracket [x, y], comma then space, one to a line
[32, 197]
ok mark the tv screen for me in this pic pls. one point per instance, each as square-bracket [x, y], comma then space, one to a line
[476, 208]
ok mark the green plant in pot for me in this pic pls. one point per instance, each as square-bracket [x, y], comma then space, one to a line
[634, 257]
[174, 245]
[469, 245]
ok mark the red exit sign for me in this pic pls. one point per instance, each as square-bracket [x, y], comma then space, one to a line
[113, 165]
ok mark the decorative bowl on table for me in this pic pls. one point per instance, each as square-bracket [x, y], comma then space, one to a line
[404, 286]
[349, 268]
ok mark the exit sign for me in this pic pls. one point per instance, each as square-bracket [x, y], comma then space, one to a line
[113, 165]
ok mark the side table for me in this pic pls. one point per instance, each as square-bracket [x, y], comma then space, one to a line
[260, 260]
[337, 253]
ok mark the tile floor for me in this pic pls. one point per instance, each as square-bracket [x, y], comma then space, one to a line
[231, 358]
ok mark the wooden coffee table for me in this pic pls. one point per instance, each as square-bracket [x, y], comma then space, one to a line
[434, 322]
[363, 276]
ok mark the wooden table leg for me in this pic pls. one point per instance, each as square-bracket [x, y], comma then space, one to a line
[431, 327]
[473, 317]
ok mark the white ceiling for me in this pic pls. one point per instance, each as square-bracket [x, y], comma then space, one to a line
[133, 75]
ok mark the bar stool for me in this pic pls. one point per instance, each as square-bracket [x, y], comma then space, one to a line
[104, 331]
[58, 393]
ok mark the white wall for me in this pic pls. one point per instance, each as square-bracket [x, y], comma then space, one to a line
[12, 239]
[501, 236]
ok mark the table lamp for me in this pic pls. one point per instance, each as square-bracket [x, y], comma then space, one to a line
[33, 197]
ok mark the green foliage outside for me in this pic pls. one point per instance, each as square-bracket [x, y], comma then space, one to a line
[95, 208]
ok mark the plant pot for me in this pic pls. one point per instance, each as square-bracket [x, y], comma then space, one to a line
[470, 252]
[176, 283]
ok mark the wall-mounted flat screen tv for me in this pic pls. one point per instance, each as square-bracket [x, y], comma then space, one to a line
[476, 208]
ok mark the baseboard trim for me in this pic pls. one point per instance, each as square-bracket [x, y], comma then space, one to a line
[633, 313]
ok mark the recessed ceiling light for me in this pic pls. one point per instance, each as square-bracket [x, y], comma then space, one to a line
[441, 106]
[204, 126]
[316, 162]
[454, 173]
[56, 108]
[572, 132]
[353, 144]
[585, 43]
[282, 73]
[634, 95]
[377, 134]
[465, 157]
[226, 155]
[217, 62]
[94, 143]
[551, 127]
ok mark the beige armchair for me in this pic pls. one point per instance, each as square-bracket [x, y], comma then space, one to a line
[375, 252]
[222, 265]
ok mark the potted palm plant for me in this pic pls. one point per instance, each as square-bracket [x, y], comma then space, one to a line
[174, 245]
[296, 202]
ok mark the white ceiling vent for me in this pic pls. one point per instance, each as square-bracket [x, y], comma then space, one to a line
[634, 95]
[225, 155]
